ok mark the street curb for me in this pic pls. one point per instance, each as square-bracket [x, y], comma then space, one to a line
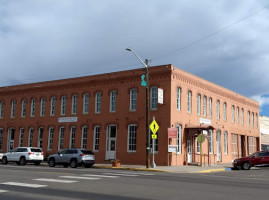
[130, 169]
[214, 170]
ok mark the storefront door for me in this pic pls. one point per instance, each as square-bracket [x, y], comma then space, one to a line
[111, 142]
[189, 146]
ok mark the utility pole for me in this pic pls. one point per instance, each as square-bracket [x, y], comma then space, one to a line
[147, 117]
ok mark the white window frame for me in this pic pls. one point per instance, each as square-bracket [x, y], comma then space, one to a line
[84, 135]
[178, 98]
[210, 140]
[63, 105]
[33, 102]
[133, 96]
[21, 137]
[52, 105]
[96, 139]
[252, 119]
[198, 104]
[198, 147]
[72, 142]
[225, 111]
[248, 118]
[98, 102]
[225, 142]
[1, 109]
[86, 101]
[189, 102]
[42, 106]
[23, 108]
[210, 107]
[154, 98]
[179, 138]
[50, 138]
[132, 136]
[237, 115]
[13, 108]
[1, 139]
[218, 109]
[204, 106]
[61, 138]
[40, 137]
[242, 116]
[113, 99]
[256, 119]
[74, 104]
[30, 137]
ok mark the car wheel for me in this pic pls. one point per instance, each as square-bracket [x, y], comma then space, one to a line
[18, 163]
[37, 163]
[51, 162]
[88, 165]
[4, 161]
[246, 165]
[65, 165]
[74, 163]
[22, 161]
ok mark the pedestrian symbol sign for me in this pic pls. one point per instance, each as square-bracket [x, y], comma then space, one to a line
[154, 136]
[154, 127]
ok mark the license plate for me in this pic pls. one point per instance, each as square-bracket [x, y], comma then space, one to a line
[37, 154]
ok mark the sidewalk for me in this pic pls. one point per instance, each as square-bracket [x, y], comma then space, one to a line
[171, 169]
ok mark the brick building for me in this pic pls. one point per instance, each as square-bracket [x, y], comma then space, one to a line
[264, 131]
[106, 113]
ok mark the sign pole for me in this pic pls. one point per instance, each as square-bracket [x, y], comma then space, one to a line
[153, 165]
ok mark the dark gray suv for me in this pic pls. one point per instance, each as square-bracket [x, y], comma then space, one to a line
[72, 157]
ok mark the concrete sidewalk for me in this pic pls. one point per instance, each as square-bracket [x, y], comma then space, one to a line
[171, 169]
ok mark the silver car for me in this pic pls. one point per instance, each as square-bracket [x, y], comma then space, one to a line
[72, 157]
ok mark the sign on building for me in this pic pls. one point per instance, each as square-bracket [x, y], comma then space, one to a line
[67, 119]
[160, 95]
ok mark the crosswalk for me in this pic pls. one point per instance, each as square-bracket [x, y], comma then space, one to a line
[71, 179]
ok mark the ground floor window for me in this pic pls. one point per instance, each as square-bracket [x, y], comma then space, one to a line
[234, 146]
[179, 133]
[61, 138]
[252, 146]
[21, 137]
[72, 137]
[225, 142]
[132, 132]
[84, 137]
[1, 139]
[96, 138]
[198, 146]
[210, 141]
[50, 139]
[30, 137]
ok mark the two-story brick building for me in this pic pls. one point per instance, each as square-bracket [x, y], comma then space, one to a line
[106, 113]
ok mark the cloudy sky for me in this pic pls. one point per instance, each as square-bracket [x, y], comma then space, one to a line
[223, 41]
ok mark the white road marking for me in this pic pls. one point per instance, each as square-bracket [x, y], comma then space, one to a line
[119, 174]
[2, 191]
[54, 180]
[79, 177]
[101, 176]
[138, 173]
[24, 184]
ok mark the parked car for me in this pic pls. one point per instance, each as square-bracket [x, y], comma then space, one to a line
[258, 158]
[23, 155]
[73, 157]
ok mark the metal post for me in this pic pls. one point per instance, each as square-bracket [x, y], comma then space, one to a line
[153, 165]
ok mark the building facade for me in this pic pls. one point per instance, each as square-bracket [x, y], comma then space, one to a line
[107, 114]
[264, 131]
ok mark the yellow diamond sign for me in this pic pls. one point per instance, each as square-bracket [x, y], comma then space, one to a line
[154, 127]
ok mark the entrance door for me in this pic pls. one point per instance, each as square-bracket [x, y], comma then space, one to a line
[10, 139]
[218, 146]
[189, 146]
[111, 142]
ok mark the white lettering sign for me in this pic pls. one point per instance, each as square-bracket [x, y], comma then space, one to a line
[205, 121]
[67, 119]
[160, 95]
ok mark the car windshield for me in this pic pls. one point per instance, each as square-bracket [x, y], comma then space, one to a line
[35, 150]
[88, 152]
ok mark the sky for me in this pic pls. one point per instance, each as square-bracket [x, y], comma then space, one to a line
[223, 41]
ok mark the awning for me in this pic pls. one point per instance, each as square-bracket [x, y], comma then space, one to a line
[201, 127]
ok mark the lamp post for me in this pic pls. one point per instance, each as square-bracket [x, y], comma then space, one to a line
[147, 107]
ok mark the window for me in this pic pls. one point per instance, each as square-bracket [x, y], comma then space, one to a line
[198, 146]
[242, 116]
[74, 104]
[154, 98]
[179, 133]
[61, 138]
[225, 142]
[225, 112]
[218, 109]
[198, 104]
[210, 107]
[86, 103]
[1, 109]
[133, 99]
[113, 101]
[96, 138]
[1, 139]
[237, 115]
[32, 108]
[21, 137]
[248, 119]
[42, 106]
[98, 102]
[23, 108]
[252, 147]
[84, 137]
[178, 98]
[256, 119]
[210, 141]
[234, 146]
[252, 119]
[132, 130]
[189, 101]
[50, 139]
[72, 137]
[40, 137]
[52, 106]
[204, 106]
[13, 108]
[63, 105]
[233, 114]
[30, 137]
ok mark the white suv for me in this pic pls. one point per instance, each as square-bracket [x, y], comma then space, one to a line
[22, 155]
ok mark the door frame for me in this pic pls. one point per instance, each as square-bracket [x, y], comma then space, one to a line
[189, 153]
[111, 155]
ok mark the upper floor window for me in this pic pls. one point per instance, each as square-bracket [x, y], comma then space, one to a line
[52, 106]
[252, 119]
[86, 103]
[242, 116]
[256, 120]
[225, 112]
[23, 108]
[32, 107]
[154, 98]
[204, 106]
[178, 98]
[74, 104]
[98, 102]
[233, 114]
[42, 106]
[248, 119]
[132, 132]
[63, 105]
[1, 109]
[13, 108]
[198, 104]
[133, 99]
[210, 107]
[189, 101]
[179, 136]
[113, 101]
[237, 115]
[218, 109]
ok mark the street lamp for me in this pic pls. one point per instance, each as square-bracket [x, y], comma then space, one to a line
[147, 107]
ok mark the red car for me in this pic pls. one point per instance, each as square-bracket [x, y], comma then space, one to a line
[258, 158]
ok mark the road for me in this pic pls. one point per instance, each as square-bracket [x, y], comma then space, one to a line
[41, 182]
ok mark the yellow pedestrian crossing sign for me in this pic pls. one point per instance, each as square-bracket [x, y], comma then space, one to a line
[154, 127]
[154, 136]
